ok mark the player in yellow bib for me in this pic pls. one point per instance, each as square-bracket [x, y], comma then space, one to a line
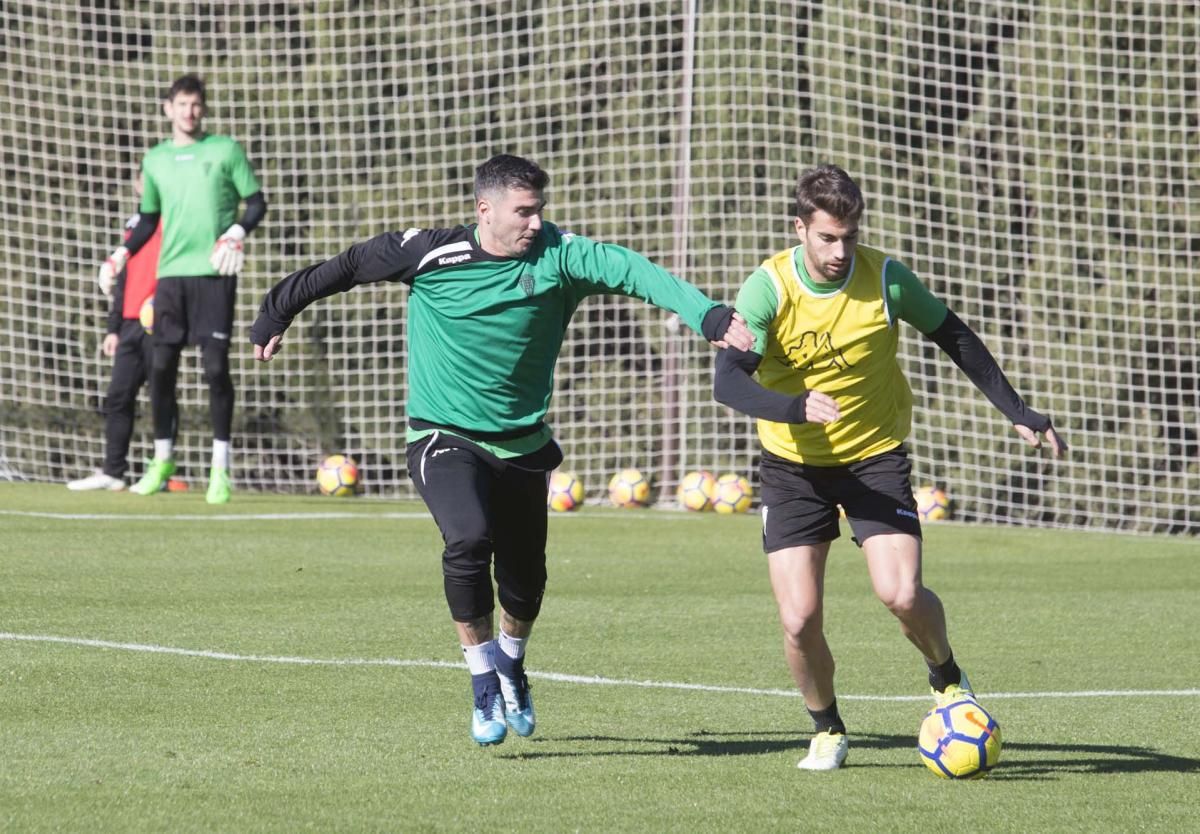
[834, 409]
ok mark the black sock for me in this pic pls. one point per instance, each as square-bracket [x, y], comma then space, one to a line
[828, 720]
[944, 674]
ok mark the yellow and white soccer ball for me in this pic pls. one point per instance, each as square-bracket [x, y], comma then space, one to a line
[960, 740]
[146, 314]
[629, 488]
[696, 491]
[565, 492]
[733, 494]
[933, 504]
[338, 476]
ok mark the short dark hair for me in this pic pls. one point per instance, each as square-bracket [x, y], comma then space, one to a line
[505, 171]
[829, 189]
[190, 83]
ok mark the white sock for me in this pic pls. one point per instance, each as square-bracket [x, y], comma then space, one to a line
[480, 658]
[221, 454]
[164, 449]
[514, 647]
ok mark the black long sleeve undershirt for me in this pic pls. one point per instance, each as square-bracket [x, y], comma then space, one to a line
[734, 385]
[256, 210]
[970, 354]
[140, 234]
[363, 263]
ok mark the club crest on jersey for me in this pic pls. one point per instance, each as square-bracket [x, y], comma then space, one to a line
[526, 284]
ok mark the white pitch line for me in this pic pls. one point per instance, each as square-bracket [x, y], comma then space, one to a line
[212, 655]
[555, 676]
[321, 516]
[662, 515]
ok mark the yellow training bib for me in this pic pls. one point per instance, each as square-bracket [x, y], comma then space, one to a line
[843, 343]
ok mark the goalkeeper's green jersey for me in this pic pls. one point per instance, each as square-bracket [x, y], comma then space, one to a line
[196, 188]
[484, 331]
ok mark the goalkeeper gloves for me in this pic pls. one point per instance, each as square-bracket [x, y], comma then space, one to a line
[228, 255]
[112, 267]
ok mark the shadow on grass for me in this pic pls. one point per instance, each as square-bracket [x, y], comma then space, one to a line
[1027, 760]
[1020, 760]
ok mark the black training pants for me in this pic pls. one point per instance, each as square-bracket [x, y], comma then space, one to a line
[131, 368]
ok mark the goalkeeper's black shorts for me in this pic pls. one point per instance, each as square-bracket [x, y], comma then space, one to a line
[194, 310]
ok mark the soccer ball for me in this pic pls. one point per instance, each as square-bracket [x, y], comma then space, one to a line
[338, 476]
[146, 314]
[629, 488]
[733, 494]
[933, 504]
[565, 492]
[696, 491]
[959, 741]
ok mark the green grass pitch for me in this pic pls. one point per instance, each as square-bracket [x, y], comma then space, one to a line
[286, 664]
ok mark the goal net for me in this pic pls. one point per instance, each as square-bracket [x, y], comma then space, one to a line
[1035, 165]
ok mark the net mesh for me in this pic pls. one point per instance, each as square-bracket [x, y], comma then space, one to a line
[1037, 167]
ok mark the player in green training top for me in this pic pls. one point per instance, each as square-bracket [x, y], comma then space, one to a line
[488, 306]
[194, 182]
[833, 411]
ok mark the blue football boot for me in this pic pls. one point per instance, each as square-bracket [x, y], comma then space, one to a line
[518, 702]
[487, 719]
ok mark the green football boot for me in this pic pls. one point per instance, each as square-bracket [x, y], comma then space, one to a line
[158, 472]
[220, 488]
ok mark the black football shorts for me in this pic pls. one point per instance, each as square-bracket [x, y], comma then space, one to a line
[801, 503]
[194, 311]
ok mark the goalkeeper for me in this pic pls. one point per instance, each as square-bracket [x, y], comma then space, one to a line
[193, 182]
[489, 304]
[833, 411]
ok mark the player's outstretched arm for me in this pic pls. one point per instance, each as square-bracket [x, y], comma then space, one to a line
[612, 269]
[382, 258]
[969, 352]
